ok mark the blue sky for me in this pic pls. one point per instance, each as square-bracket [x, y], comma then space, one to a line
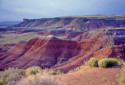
[16, 10]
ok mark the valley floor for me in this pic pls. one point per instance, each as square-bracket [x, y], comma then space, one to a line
[91, 76]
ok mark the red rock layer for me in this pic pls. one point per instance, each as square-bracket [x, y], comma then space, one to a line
[39, 52]
[62, 54]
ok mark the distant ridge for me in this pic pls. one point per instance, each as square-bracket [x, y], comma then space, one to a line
[9, 23]
[75, 23]
[99, 16]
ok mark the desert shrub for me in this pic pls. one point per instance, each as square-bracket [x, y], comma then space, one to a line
[78, 68]
[85, 63]
[39, 79]
[22, 71]
[122, 64]
[70, 71]
[59, 72]
[108, 62]
[74, 70]
[122, 80]
[121, 77]
[38, 68]
[32, 71]
[29, 72]
[2, 81]
[52, 72]
[10, 76]
[93, 62]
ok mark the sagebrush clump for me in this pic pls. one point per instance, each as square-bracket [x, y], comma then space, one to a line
[107, 62]
[39, 79]
[93, 62]
[121, 76]
[32, 71]
[30, 76]
[58, 72]
[29, 72]
[52, 72]
[11, 75]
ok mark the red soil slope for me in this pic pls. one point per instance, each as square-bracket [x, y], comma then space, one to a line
[90, 76]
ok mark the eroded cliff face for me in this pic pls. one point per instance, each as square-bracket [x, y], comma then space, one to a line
[40, 52]
[99, 44]
[51, 52]
[74, 23]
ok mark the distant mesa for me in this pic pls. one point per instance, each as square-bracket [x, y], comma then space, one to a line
[75, 23]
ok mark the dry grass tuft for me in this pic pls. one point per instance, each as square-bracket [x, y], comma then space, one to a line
[41, 78]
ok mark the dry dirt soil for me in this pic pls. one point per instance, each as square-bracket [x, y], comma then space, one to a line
[90, 76]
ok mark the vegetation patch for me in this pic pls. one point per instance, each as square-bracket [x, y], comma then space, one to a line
[32, 71]
[121, 76]
[77, 68]
[31, 76]
[58, 72]
[107, 62]
[93, 62]
[52, 72]
[11, 75]
[41, 78]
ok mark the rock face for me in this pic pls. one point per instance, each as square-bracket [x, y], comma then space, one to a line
[51, 52]
[46, 52]
[5, 47]
[75, 23]
[40, 52]
[100, 44]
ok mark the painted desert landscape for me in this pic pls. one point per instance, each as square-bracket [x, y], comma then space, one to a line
[67, 50]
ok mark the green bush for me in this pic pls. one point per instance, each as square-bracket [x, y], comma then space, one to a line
[107, 62]
[2, 81]
[32, 71]
[123, 64]
[59, 72]
[71, 71]
[38, 68]
[52, 72]
[29, 72]
[93, 62]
